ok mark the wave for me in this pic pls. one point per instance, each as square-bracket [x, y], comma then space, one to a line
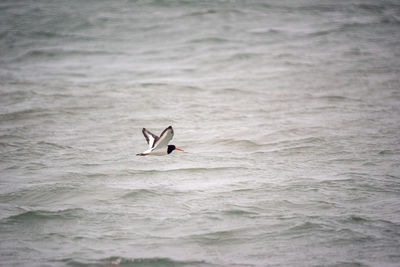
[211, 11]
[52, 145]
[227, 236]
[194, 169]
[202, 13]
[242, 143]
[268, 31]
[355, 219]
[178, 87]
[45, 35]
[245, 56]
[293, 145]
[231, 90]
[239, 212]
[56, 53]
[340, 28]
[29, 216]
[338, 98]
[208, 40]
[10, 136]
[388, 152]
[140, 193]
[305, 227]
[121, 261]
[17, 114]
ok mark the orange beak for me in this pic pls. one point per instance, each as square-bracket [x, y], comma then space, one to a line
[178, 149]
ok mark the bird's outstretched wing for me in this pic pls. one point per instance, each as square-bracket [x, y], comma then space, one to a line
[150, 138]
[164, 138]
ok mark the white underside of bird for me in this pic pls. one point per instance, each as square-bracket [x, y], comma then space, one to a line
[155, 152]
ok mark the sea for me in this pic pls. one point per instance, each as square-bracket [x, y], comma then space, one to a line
[288, 112]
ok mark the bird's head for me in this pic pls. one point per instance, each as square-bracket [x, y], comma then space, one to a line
[172, 148]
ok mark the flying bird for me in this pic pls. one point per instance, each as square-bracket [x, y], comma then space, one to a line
[158, 146]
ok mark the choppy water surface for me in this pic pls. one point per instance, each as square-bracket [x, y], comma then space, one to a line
[288, 112]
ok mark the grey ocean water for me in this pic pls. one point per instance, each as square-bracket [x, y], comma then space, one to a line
[288, 112]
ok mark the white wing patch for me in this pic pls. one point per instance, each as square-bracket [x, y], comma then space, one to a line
[165, 138]
[150, 138]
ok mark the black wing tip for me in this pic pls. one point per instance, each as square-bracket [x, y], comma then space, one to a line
[144, 131]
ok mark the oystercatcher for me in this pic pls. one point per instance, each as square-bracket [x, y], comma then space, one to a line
[158, 146]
